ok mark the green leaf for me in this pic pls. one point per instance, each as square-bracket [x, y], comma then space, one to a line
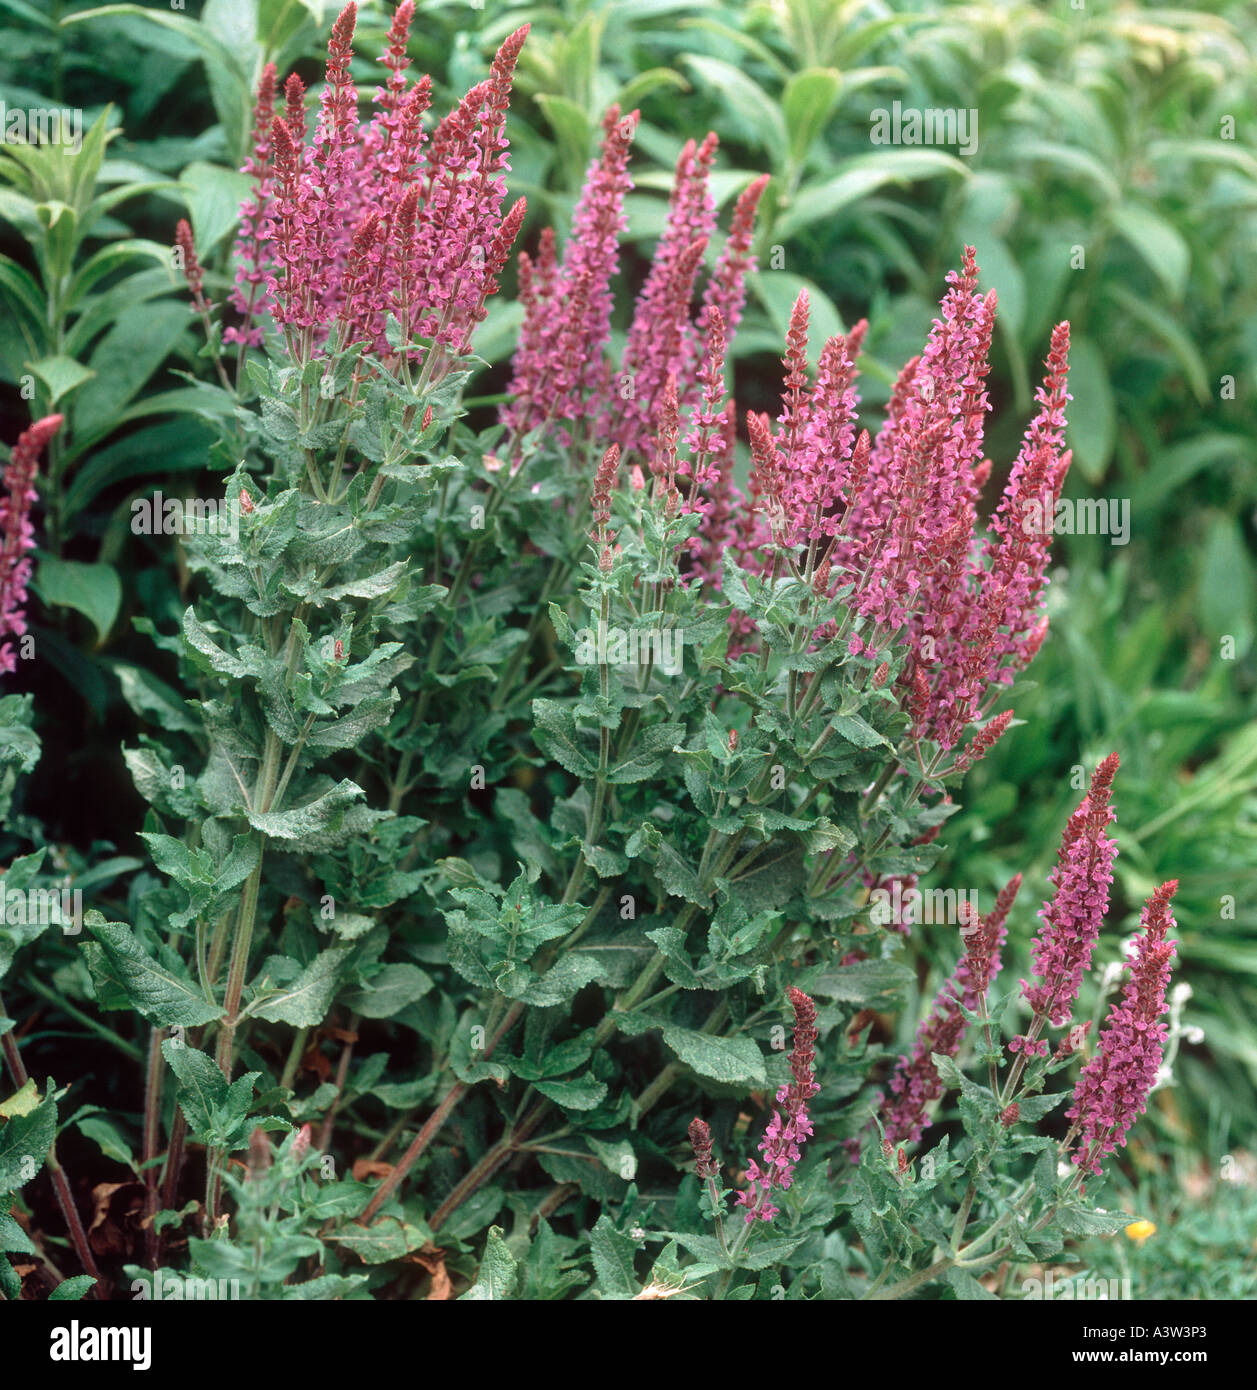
[24, 1144]
[572, 129]
[1079, 1221]
[580, 1093]
[385, 1239]
[162, 991]
[728, 1060]
[555, 734]
[860, 176]
[496, 1276]
[389, 991]
[123, 362]
[22, 1101]
[60, 375]
[1166, 327]
[862, 981]
[72, 1289]
[93, 590]
[807, 101]
[612, 1252]
[747, 102]
[213, 195]
[304, 1002]
[104, 1133]
[1226, 584]
[202, 1085]
[1159, 244]
[13, 1238]
[1092, 428]
[1033, 1108]
[325, 813]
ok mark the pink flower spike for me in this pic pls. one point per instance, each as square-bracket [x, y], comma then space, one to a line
[790, 1128]
[249, 251]
[1071, 921]
[915, 1083]
[17, 535]
[1113, 1087]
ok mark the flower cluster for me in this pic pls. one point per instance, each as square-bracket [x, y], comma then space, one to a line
[700, 1141]
[915, 1082]
[17, 535]
[1113, 1087]
[561, 371]
[789, 1127]
[1071, 921]
[371, 221]
[250, 248]
[892, 521]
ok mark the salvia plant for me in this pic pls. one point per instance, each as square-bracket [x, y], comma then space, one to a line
[531, 832]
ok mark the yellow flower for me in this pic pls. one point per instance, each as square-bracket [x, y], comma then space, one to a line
[1139, 1231]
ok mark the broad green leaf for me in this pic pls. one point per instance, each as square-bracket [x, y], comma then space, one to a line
[304, 1002]
[93, 590]
[72, 1289]
[162, 992]
[24, 1144]
[747, 103]
[729, 1060]
[22, 1102]
[1159, 244]
[860, 176]
[612, 1253]
[389, 991]
[105, 1133]
[60, 375]
[213, 195]
[1092, 414]
[806, 103]
[495, 1280]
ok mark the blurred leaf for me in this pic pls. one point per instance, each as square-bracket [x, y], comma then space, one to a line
[60, 375]
[93, 590]
[1162, 248]
[808, 100]
[213, 195]
[1092, 413]
[858, 178]
[1227, 584]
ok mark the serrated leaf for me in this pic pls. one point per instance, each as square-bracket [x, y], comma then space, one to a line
[305, 1001]
[161, 992]
[495, 1279]
[612, 1253]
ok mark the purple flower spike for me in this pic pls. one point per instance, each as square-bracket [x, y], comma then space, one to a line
[1113, 1087]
